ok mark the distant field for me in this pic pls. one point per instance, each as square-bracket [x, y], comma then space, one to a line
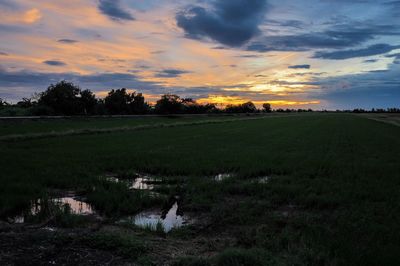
[29, 126]
[393, 119]
[332, 199]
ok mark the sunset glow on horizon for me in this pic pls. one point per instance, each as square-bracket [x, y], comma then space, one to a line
[292, 54]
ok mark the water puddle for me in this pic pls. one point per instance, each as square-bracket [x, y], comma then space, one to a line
[264, 179]
[144, 183]
[76, 206]
[138, 182]
[73, 203]
[222, 177]
[156, 221]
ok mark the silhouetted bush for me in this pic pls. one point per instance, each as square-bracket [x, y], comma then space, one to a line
[41, 110]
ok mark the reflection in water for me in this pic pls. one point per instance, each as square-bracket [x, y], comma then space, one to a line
[139, 183]
[264, 179]
[75, 206]
[20, 219]
[151, 220]
[221, 177]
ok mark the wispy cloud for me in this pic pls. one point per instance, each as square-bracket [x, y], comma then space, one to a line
[54, 63]
[300, 67]
[171, 73]
[67, 41]
[376, 49]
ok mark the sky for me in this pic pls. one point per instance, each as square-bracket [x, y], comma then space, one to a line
[319, 54]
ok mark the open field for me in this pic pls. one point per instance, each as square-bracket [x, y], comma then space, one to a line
[331, 197]
[393, 119]
[26, 126]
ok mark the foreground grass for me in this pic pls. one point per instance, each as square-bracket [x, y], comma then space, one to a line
[333, 198]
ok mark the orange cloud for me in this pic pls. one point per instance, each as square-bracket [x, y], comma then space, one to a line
[31, 16]
[28, 17]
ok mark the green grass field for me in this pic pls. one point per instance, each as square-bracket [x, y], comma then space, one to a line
[332, 199]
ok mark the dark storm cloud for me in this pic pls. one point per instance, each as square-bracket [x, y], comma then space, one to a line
[337, 37]
[54, 63]
[231, 23]
[171, 73]
[300, 67]
[68, 41]
[305, 42]
[113, 9]
[353, 53]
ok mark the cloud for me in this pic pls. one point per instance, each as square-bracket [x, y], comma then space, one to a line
[297, 24]
[353, 53]
[14, 85]
[3, 53]
[8, 4]
[17, 84]
[370, 61]
[397, 55]
[113, 9]
[171, 73]
[300, 67]
[54, 63]
[339, 36]
[231, 23]
[305, 42]
[67, 41]
[31, 16]
[378, 89]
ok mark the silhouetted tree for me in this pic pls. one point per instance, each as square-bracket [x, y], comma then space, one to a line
[121, 102]
[169, 104]
[117, 102]
[267, 108]
[3, 103]
[88, 102]
[62, 98]
[190, 106]
[26, 103]
[247, 107]
[138, 104]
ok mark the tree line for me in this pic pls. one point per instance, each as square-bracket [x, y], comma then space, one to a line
[67, 99]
